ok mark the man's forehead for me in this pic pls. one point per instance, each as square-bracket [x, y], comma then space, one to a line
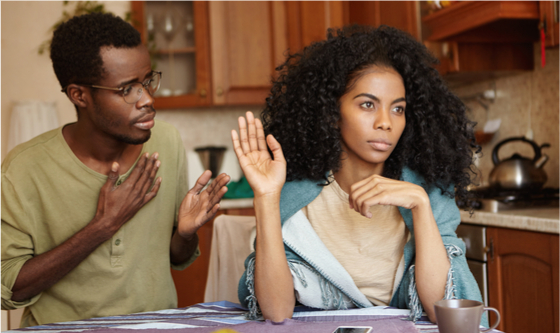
[124, 62]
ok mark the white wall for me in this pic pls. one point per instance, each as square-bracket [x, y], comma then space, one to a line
[25, 73]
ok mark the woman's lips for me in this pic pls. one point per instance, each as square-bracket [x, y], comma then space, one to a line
[380, 145]
[145, 125]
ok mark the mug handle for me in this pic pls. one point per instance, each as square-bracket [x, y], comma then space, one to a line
[497, 319]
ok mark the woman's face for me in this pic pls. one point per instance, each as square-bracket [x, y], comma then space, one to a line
[372, 116]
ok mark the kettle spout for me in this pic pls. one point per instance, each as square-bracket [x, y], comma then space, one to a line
[541, 161]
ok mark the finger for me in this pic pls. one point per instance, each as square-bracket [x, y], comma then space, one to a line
[252, 130]
[153, 192]
[236, 144]
[112, 176]
[261, 141]
[201, 182]
[217, 184]
[150, 174]
[216, 197]
[275, 148]
[243, 135]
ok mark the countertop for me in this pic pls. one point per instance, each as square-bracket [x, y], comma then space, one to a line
[236, 203]
[533, 219]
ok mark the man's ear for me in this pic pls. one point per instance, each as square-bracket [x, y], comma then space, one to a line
[79, 95]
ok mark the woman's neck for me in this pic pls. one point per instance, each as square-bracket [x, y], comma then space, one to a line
[352, 172]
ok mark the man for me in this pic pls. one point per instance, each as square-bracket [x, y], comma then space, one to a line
[95, 212]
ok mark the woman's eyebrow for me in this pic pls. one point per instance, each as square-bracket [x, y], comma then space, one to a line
[401, 99]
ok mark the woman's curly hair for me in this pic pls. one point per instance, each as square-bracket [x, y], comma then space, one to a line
[302, 111]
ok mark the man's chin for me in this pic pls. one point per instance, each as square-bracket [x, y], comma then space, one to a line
[135, 141]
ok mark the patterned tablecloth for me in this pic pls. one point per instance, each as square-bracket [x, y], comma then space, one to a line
[211, 317]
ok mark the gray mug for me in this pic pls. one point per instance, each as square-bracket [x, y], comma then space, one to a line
[461, 316]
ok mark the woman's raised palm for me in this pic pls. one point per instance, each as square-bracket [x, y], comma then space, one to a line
[264, 174]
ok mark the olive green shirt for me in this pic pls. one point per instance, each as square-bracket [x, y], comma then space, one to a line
[48, 195]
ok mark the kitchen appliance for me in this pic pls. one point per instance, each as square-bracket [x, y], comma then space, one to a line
[474, 237]
[518, 172]
[211, 158]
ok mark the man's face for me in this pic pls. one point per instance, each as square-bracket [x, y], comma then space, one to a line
[110, 114]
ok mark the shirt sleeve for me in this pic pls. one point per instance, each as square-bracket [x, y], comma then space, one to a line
[17, 245]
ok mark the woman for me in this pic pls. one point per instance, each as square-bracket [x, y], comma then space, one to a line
[356, 206]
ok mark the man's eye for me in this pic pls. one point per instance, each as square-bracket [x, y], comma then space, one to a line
[127, 89]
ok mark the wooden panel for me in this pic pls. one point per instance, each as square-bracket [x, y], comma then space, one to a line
[314, 21]
[493, 56]
[523, 280]
[399, 14]
[249, 39]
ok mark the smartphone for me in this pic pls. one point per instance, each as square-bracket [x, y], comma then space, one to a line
[353, 329]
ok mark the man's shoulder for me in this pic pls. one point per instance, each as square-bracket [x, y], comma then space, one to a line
[31, 150]
[164, 133]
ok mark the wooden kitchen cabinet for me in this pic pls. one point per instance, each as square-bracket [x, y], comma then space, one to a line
[549, 12]
[476, 40]
[248, 39]
[191, 282]
[177, 35]
[523, 279]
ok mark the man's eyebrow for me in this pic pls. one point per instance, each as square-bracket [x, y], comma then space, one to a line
[401, 99]
[134, 80]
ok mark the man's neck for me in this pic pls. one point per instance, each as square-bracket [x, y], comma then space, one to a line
[98, 151]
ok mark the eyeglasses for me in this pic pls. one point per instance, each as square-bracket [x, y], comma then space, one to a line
[133, 92]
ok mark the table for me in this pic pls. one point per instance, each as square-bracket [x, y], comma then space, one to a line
[210, 317]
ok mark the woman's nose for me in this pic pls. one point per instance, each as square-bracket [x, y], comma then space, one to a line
[383, 120]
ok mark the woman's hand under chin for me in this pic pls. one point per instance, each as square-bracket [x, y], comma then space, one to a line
[265, 175]
[378, 190]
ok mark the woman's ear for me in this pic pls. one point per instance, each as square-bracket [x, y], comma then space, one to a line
[79, 95]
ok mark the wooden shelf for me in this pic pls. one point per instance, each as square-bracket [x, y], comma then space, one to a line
[462, 18]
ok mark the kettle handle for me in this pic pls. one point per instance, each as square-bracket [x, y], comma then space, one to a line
[536, 148]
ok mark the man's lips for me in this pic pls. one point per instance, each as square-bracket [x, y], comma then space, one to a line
[145, 123]
[380, 145]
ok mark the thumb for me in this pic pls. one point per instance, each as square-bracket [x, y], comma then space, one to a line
[275, 147]
[113, 174]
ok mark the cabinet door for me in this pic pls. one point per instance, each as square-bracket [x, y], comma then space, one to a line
[549, 13]
[523, 280]
[402, 15]
[248, 39]
[176, 33]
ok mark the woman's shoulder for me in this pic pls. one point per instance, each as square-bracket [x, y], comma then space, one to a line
[297, 194]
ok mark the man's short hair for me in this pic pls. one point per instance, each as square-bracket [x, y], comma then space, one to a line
[76, 44]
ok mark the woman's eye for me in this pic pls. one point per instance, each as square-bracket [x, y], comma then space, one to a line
[367, 105]
[399, 109]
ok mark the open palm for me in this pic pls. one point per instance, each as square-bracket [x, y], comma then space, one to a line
[264, 174]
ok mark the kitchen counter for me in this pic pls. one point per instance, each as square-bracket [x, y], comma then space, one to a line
[236, 203]
[534, 219]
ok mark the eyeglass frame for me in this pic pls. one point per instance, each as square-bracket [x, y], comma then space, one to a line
[144, 85]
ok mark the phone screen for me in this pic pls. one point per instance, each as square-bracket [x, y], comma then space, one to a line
[353, 329]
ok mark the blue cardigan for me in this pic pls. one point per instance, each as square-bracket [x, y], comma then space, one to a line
[306, 253]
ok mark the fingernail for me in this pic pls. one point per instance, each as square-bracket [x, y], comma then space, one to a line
[158, 180]
[115, 167]
[158, 163]
[156, 155]
[369, 215]
[147, 155]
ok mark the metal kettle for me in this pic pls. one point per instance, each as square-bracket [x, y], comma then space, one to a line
[518, 172]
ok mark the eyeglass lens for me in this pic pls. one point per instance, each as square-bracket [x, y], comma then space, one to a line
[133, 92]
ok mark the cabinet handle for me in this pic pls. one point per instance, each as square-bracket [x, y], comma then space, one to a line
[203, 93]
[219, 91]
[490, 248]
